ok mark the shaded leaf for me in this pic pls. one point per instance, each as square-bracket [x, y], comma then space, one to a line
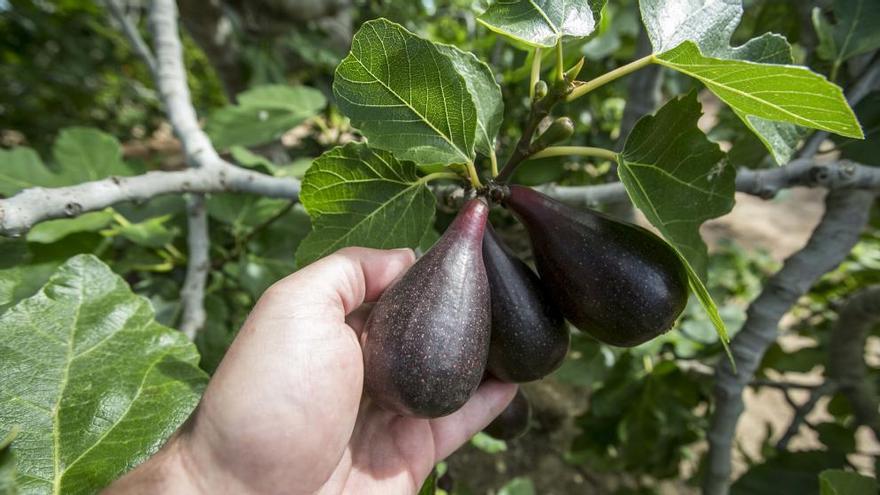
[678, 179]
[840, 482]
[540, 22]
[152, 233]
[406, 96]
[772, 92]
[358, 196]
[82, 154]
[21, 168]
[796, 471]
[88, 154]
[518, 486]
[854, 32]
[243, 211]
[55, 230]
[109, 387]
[263, 114]
[22, 281]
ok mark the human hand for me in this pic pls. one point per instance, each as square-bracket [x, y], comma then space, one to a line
[284, 412]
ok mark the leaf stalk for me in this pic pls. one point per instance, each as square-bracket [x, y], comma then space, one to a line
[575, 151]
[586, 87]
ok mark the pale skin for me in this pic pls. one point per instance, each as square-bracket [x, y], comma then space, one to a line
[284, 413]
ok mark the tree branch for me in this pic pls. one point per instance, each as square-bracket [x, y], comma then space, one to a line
[170, 74]
[131, 32]
[762, 183]
[845, 216]
[192, 294]
[802, 411]
[24, 210]
[846, 355]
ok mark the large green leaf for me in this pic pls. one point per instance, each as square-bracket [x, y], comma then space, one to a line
[679, 179]
[840, 482]
[358, 196]
[540, 22]
[94, 383]
[406, 96]
[710, 24]
[485, 93]
[854, 32]
[88, 154]
[773, 92]
[263, 114]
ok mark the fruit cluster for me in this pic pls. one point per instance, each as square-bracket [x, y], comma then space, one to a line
[469, 306]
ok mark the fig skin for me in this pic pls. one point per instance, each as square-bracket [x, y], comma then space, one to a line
[529, 337]
[513, 422]
[426, 340]
[618, 282]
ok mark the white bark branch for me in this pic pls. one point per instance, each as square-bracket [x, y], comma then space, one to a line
[846, 214]
[763, 183]
[170, 74]
[24, 210]
[192, 295]
[131, 32]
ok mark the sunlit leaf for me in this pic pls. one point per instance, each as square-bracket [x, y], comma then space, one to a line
[772, 92]
[109, 387]
[540, 22]
[406, 96]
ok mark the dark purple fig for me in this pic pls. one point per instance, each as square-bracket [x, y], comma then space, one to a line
[427, 338]
[529, 336]
[513, 422]
[616, 281]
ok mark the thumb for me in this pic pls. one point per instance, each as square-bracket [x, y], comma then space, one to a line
[336, 285]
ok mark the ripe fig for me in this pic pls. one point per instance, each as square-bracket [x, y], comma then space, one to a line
[513, 422]
[427, 338]
[616, 281]
[529, 337]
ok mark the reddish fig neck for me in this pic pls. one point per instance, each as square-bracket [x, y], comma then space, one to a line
[471, 221]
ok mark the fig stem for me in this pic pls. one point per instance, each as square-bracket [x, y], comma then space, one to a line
[535, 74]
[585, 87]
[438, 176]
[540, 109]
[472, 172]
[560, 70]
[575, 151]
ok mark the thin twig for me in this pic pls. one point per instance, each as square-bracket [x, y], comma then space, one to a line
[846, 214]
[859, 314]
[802, 411]
[131, 32]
